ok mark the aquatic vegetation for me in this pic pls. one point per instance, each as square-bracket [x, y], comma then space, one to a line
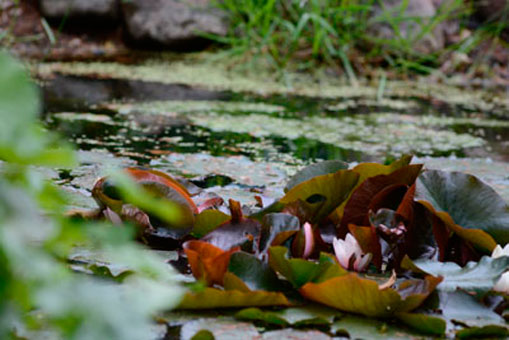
[433, 230]
[359, 133]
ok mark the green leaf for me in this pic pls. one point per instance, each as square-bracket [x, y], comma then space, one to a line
[313, 315]
[208, 220]
[358, 327]
[471, 203]
[313, 170]
[351, 293]
[216, 298]
[203, 334]
[256, 274]
[463, 309]
[273, 225]
[474, 276]
[426, 324]
[256, 314]
[323, 194]
[299, 271]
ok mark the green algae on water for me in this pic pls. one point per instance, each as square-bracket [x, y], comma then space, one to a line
[355, 133]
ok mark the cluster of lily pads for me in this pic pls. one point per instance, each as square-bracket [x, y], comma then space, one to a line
[390, 241]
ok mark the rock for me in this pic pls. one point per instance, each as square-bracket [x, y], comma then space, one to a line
[172, 23]
[423, 11]
[79, 9]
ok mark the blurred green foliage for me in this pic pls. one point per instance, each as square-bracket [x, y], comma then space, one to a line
[40, 296]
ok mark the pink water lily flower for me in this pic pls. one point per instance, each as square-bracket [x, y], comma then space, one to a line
[349, 254]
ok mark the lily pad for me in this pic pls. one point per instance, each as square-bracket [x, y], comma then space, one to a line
[221, 328]
[238, 231]
[426, 324]
[459, 308]
[207, 221]
[305, 316]
[276, 228]
[375, 193]
[474, 276]
[299, 271]
[313, 170]
[351, 293]
[324, 193]
[471, 203]
[367, 170]
[217, 298]
[256, 274]
[207, 262]
[357, 327]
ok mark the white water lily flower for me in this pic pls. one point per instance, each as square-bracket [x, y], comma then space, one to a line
[502, 285]
[349, 254]
[499, 251]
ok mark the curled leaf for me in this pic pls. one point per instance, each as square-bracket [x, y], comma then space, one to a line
[208, 263]
[299, 271]
[470, 203]
[323, 194]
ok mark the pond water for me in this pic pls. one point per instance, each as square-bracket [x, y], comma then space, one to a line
[238, 142]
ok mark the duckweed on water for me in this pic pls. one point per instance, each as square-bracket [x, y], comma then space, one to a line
[162, 107]
[198, 70]
[356, 133]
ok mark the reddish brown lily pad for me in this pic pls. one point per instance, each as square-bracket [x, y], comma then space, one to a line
[207, 262]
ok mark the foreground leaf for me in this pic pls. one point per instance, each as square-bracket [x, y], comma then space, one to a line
[351, 293]
[471, 203]
[216, 298]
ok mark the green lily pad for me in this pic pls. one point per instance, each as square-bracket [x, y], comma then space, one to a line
[313, 170]
[357, 327]
[277, 227]
[299, 271]
[471, 203]
[217, 298]
[256, 274]
[474, 276]
[426, 324]
[460, 308]
[306, 316]
[221, 328]
[203, 334]
[322, 194]
[351, 293]
[208, 220]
